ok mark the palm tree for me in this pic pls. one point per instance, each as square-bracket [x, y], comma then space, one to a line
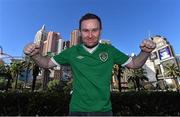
[9, 77]
[31, 65]
[16, 68]
[173, 71]
[5, 72]
[2, 69]
[69, 86]
[36, 71]
[46, 73]
[136, 76]
[115, 80]
[117, 72]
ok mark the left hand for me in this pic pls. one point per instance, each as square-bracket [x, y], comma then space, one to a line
[147, 46]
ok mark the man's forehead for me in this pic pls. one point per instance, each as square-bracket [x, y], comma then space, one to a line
[90, 24]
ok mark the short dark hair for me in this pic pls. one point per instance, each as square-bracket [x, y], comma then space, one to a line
[89, 16]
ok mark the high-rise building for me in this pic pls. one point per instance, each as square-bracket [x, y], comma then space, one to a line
[51, 44]
[160, 56]
[75, 37]
[40, 37]
[60, 45]
[45, 46]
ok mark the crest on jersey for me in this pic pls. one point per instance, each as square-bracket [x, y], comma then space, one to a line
[103, 56]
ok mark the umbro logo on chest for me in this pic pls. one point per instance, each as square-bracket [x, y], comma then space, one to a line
[80, 57]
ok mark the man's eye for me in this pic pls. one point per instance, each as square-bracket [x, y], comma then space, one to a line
[85, 30]
[95, 30]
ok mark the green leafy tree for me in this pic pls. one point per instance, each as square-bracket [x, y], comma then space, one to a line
[30, 65]
[54, 86]
[173, 71]
[118, 72]
[2, 83]
[6, 73]
[68, 87]
[16, 68]
[137, 76]
[46, 72]
[18, 84]
[36, 71]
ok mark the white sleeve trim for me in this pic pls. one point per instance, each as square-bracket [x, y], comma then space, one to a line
[52, 59]
[128, 61]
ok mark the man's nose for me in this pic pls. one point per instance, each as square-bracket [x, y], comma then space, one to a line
[90, 34]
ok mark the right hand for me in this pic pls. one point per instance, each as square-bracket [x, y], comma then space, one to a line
[31, 49]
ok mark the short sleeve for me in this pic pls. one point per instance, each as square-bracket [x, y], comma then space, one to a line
[62, 58]
[118, 56]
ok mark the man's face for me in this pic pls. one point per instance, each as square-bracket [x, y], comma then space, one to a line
[90, 32]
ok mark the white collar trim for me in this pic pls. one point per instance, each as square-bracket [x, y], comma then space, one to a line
[90, 50]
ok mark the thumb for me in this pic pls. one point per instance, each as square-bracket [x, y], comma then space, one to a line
[37, 46]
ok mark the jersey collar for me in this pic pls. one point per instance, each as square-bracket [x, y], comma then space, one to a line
[90, 50]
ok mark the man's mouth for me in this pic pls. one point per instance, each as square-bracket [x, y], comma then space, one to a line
[90, 40]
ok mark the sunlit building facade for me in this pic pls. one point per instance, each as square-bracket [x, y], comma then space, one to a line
[51, 44]
[40, 37]
[160, 57]
[75, 37]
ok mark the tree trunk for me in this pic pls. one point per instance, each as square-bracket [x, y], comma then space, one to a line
[16, 81]
[135, 85]
[45, 78]
[8, 82]
[176, 83]
[33, 83]
[138, 84]
[27, 72]
[119, 79]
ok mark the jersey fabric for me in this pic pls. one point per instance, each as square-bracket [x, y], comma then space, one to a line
[92, 74]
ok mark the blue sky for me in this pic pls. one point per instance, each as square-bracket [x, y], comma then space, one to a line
[125, 22]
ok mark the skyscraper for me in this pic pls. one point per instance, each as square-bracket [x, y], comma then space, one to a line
[60, 45]
[75, 37]
[45, 46]
[51, 44]
[40, 37]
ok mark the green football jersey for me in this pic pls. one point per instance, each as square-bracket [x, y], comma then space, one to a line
[92, 73]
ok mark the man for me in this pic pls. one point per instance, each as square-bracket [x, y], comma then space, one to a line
[92, 65]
